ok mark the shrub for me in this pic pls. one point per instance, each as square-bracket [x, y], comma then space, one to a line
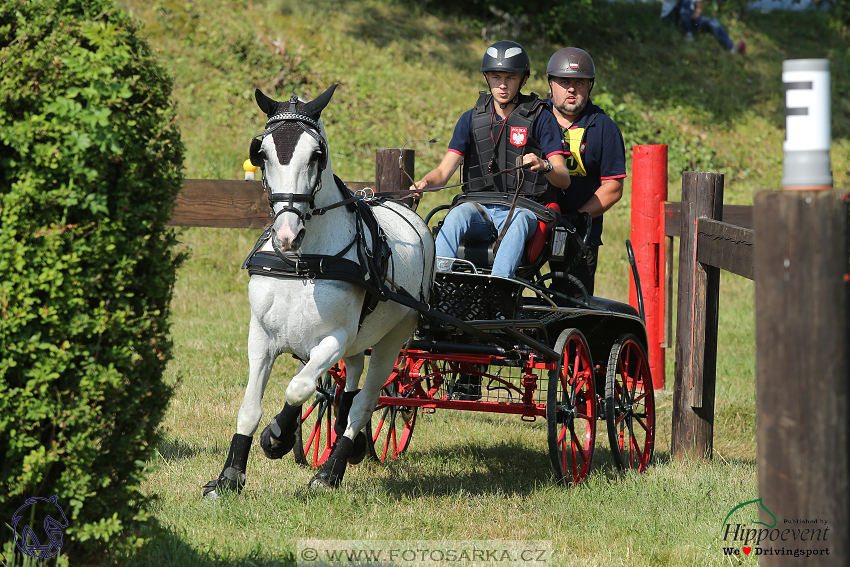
[90, 162]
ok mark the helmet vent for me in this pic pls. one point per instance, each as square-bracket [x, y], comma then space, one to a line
[511, 51]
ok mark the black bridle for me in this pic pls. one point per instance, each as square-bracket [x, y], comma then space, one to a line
[309, 125]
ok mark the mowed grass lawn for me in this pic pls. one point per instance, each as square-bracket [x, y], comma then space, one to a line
[466, 476]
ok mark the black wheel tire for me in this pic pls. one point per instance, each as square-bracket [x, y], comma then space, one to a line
[630, 405]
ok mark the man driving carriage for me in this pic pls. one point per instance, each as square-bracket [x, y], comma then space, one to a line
[505, 129]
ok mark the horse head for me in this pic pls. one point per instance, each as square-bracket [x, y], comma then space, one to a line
[293, 155]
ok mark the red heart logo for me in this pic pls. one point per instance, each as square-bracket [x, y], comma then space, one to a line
[747, 550]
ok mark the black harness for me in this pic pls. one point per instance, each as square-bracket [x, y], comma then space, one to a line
[373, 254]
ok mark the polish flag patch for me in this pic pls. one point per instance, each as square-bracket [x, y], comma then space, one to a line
[519, 136]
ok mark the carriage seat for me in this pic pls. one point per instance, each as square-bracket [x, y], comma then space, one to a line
[481, 253]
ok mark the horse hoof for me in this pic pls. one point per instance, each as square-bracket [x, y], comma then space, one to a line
[230, 480]
[322, 482]
[210, 490]
[358, 449]
[272, 446]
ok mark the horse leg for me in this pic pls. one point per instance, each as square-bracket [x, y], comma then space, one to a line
[353, 371]
[260, 360]
[383, 359]
[278, 438]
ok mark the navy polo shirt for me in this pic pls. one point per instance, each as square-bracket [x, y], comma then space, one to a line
[600, 145]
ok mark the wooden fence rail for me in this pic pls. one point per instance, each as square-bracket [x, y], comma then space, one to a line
[216, 203]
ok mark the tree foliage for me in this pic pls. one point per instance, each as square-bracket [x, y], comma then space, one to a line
[90, 162]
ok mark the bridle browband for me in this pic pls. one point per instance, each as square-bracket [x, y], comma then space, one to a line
[309, 125]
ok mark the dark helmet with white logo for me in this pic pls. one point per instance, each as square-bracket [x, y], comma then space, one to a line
[506, 57]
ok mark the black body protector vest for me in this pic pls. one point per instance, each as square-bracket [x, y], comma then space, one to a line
[513, 140]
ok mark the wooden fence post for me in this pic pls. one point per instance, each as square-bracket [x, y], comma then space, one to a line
[803, 365]
[394, 170]
[696, 328]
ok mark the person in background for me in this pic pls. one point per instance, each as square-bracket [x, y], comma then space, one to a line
[689, 14]
[596, 155]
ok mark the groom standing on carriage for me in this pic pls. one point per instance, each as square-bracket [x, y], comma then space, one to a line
[504, 130]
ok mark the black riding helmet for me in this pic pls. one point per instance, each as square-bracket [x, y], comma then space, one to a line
[572, 62]
[506, 57]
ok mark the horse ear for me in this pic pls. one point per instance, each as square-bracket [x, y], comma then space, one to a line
[314, 108]
[265, 103]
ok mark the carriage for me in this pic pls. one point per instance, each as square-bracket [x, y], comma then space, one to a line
[527, 351]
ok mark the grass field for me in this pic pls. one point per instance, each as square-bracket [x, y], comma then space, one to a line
[407, 74]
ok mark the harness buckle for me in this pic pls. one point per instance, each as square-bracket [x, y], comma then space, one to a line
[367, 193]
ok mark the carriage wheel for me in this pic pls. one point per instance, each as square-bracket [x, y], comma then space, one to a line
[315, 435]
[630, 404]
[391, 427]
[571, 409]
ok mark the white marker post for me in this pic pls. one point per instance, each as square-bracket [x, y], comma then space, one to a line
[807, 125]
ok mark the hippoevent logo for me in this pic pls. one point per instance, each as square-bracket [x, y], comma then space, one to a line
[38, 526]
[797, 537]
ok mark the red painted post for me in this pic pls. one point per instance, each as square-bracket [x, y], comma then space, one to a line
[649, 188]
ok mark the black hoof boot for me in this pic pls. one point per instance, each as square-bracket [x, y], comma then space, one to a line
[278, 438]
[358, 449]
[232, 477]
[331, 473]
[358, 452]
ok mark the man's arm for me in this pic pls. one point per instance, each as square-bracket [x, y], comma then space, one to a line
[559, 176]
[605, 197]
[440, 175]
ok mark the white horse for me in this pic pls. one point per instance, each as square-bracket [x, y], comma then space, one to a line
[319, 320]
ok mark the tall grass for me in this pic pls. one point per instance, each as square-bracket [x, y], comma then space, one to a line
[407, 74]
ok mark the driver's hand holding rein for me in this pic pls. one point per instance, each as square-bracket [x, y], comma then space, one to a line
[504, 126]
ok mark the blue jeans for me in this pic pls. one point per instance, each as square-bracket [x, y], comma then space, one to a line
[710, 25]
[465, 221]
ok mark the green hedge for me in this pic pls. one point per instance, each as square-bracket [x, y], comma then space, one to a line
[90, 161]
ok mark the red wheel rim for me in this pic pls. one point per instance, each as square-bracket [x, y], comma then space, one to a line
[316, 436]
[634, 400]
[571, 409]
[576, 436]
[392, 426]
